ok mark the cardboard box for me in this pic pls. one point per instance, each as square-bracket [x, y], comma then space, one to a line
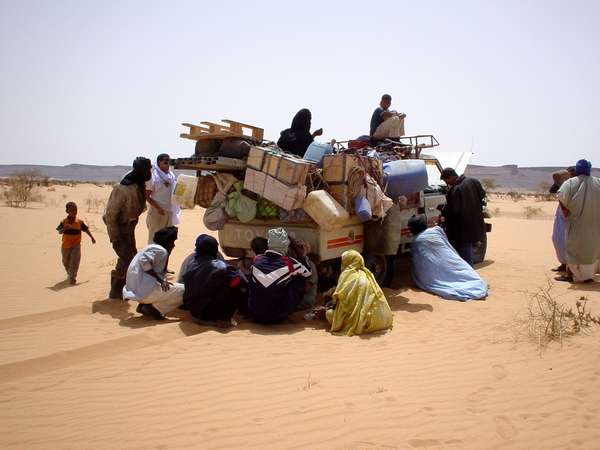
[293, 170]
[287, 169]
[336, 168]
[254, 181]
[271, 165]
[256, 157]
[283, 195]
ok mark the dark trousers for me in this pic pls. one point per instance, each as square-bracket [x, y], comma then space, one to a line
[465, 251]
[223, 305]
[126, 250]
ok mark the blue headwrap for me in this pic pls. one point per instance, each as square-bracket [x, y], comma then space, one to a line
[583, 167]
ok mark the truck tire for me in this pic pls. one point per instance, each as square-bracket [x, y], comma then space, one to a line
[379, 266]
[479, 250]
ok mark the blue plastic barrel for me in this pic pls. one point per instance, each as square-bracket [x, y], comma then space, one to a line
[403, 177]
[316, 151]
[363, 208]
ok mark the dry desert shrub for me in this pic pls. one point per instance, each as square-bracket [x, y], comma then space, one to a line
[489, 184]
[23, 188]
[546, 320]
[515, 196]
[545, 197]
[95, 205]
[529, 212]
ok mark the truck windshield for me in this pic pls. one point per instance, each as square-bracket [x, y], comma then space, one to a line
[433, 174]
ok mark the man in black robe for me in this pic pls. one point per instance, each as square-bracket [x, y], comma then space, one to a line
[463, 213]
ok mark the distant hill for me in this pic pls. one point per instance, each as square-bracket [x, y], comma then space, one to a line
[520, 178]
[506, 177]
[78, 172]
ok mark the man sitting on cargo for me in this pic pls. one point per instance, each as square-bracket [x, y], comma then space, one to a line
[277, 282]
[386, 123]
[298, 137]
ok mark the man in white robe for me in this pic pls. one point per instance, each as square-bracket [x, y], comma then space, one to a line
[146, 278]
[580, 200]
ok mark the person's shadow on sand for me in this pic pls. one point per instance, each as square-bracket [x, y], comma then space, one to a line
[63, 285]
[120, 310]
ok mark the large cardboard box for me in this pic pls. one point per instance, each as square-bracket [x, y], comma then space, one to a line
[271, 165]
[283, 195]
[257, 157]
[254, 181]
[287, 169]
[293, 170]
[336, 168]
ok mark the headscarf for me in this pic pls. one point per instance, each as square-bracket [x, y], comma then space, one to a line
[278, 240]
[165, 236]
[583, 167]
[361, 306]
[297, 138]
[207, 246]
[140, 174]
[301, 121]
[417, 224]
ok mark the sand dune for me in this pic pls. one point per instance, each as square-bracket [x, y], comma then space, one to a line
[78, 371]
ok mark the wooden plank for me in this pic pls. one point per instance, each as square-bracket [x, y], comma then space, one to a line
[211, 130]
[206, 136]
[257, 132]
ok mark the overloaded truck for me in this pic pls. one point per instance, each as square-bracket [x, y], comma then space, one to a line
[340, 196]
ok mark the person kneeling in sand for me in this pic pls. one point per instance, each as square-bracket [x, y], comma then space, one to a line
[146, 281]
[358, 305]
[278, 282]
[438, 268]
[214, 290]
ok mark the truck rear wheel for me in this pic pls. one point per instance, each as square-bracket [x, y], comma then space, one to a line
[479, 250]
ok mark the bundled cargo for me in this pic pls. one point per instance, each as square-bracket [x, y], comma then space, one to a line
[277, 177]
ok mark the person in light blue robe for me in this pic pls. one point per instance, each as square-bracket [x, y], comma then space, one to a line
[437, 268]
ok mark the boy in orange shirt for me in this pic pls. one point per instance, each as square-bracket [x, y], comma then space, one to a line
[71, 228]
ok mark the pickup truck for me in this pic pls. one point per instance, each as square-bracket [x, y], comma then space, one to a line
[379, 250]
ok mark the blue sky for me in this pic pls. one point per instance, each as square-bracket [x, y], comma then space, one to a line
[103, 82]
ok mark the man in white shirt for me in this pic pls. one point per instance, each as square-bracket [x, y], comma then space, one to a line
[146, 282]
[162, 212]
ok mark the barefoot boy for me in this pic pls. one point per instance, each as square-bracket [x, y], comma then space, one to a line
[71, 228]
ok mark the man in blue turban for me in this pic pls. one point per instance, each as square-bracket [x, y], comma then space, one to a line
[579, 198]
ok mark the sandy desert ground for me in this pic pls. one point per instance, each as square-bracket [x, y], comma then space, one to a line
[79, 371]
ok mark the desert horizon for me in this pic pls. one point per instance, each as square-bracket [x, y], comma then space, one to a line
[504, 178]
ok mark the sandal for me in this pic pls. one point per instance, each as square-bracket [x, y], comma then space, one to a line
[564, 278]
[148, 310]
[561, 268]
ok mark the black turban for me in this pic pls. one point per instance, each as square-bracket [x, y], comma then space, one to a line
[417, 224]
[165, 236]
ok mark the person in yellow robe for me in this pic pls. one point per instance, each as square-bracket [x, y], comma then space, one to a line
[360, 305]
